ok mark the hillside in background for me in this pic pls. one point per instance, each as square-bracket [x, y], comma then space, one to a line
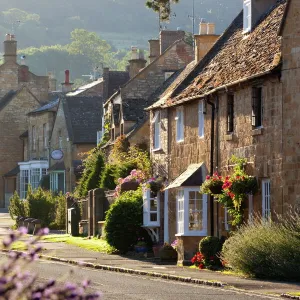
[121, 22]
[43, 30]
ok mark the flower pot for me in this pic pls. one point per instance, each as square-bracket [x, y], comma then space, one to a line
[129, 186]
[216, 189]
[140, 249]
[155, 250]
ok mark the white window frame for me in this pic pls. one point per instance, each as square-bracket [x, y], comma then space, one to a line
[147, 211]
[183, 220]
[24, 182]
[156, 130]
[179, 124]
[250, 209]
[201, 119]
[227, 225]
[266, 199]
[247, 16]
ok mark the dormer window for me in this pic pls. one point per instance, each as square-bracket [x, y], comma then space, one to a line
[247, 16]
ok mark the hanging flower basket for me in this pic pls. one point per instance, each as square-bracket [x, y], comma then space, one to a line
[216, 189]
[129, 186]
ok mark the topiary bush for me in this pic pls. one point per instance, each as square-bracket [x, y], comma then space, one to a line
[266, 249]
[17, 207]
[108, 177]
[124, 219]
[210, 246]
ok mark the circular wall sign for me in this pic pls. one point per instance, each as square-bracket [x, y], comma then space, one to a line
[57, 154]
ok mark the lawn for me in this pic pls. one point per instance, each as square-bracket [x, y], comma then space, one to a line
[92, 244]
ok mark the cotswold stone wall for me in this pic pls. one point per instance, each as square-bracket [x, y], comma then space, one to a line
[262, 147]
[13, 122]
[38, 120]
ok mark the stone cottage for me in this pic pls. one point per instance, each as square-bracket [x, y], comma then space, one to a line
[241, 98]
[21, 92]
[125, 109]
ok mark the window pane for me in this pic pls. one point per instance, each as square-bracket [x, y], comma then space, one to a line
[195, 211]
[153, 217]
[153, 205]
[192, 195]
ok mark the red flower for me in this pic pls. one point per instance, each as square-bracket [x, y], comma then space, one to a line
[201, 266]
[211, 257]
[207, 177]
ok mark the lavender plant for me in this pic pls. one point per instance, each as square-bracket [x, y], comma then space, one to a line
[18, 284]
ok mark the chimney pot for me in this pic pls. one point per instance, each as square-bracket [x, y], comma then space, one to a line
[203, 28]
[67, 77]
[211, 28]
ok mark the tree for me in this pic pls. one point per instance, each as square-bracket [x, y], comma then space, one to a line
[163, 7]
[88, 44]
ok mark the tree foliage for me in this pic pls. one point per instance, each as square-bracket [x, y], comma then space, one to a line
[163, 7]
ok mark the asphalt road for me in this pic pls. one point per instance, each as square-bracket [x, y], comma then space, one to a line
[122, 286]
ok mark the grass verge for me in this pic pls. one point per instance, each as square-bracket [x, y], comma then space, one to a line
[92, 244]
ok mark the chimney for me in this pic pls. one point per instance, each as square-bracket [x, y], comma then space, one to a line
[154, 48]
[253, 10]
[169, 37]
[10, 49]
[205, 39]
[52, 82]
[67, 85]
[137, 61]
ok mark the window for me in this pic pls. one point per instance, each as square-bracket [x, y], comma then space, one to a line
[156, 130]
[35, 177]
[266, 199]
[230, 113]
[151, 209]
[33, 134]
[24, 181]
[247, 16]
[250, 211]
[195, 211]
[60, 140]
[257, 107]
[45, 137]
[191, 212]
[179, 124]
[57, 182]
[201, 118]
[227, 225]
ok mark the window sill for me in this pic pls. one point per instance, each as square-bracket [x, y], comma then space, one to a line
[195, 233]
[179, 141]
[201, 137]
[156, 149]
[257, 131]
[229, 137]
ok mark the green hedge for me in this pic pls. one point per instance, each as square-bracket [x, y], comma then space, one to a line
[123, 220]
[266, 249]
[40, 204]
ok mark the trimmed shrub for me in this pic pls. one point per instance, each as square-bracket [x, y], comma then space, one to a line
[123, 220]
[266, 249]
[210, 246]
[60, 212]
[108, 177]
[17, 207]
[41, 205]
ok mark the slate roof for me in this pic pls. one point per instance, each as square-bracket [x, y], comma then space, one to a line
[51, 106]
[85, 87]
[14, 172]
[24, 134]
[116, 80]
[133, 109]
[235, 56]
[83, 118]
[6, 98]
[58, 166]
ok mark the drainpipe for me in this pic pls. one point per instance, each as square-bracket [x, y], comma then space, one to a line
[217, 152]
[212, 142]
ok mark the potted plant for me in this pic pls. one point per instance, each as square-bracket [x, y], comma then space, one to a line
[156, 248]
[168, 253]
[212, 185]
[155, 185]
[141, 246]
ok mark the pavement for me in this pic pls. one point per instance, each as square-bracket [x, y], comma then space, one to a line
[154, 268]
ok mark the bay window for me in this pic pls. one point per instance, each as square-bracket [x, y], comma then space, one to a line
[191, 212]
